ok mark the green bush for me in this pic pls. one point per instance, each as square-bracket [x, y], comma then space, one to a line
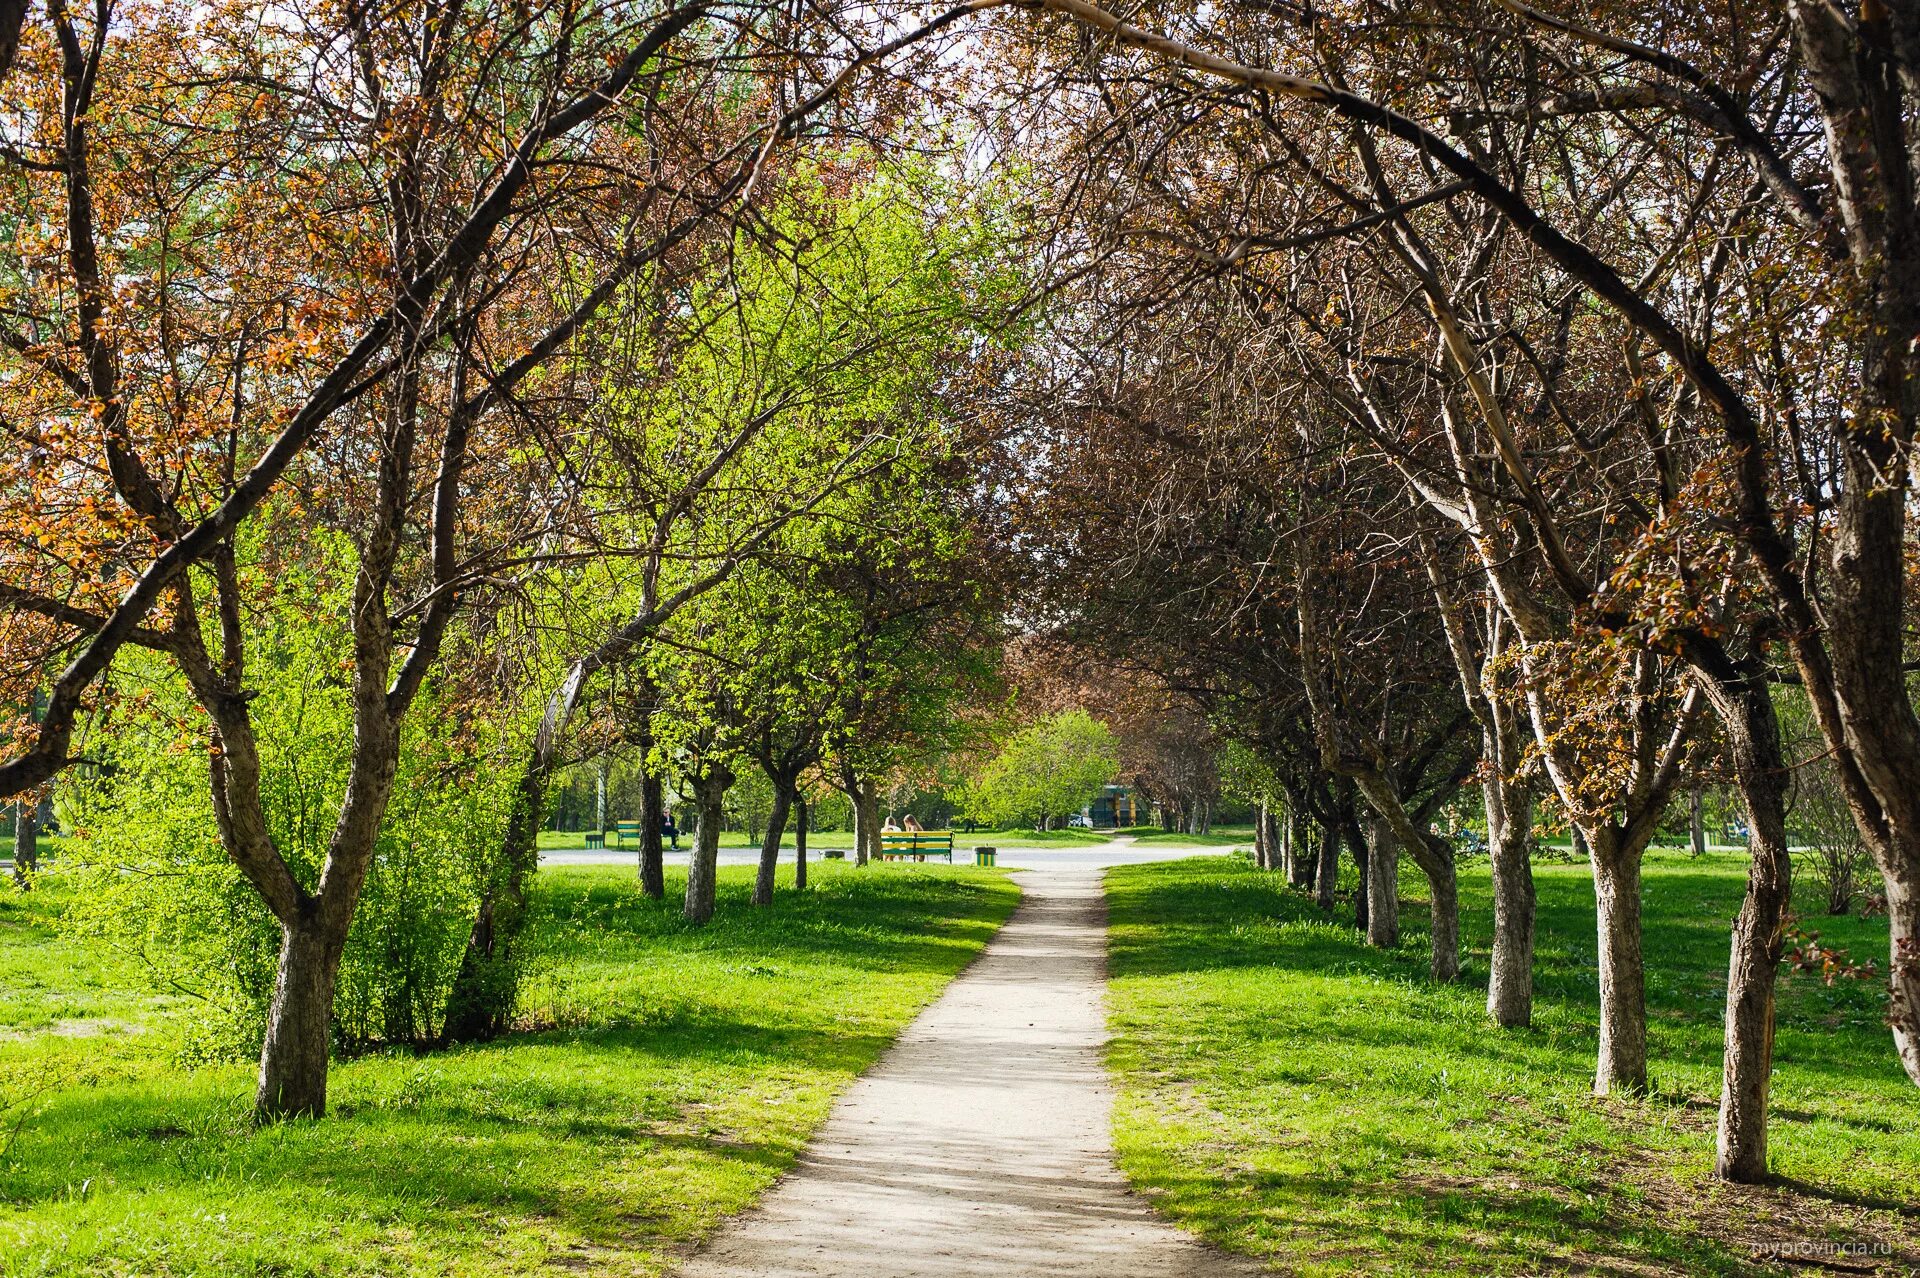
[159, 883]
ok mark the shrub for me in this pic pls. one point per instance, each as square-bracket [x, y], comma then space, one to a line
[159, 883]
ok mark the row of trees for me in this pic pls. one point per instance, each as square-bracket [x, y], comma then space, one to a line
[385, 387]
[1509, 400]
[1428, 395]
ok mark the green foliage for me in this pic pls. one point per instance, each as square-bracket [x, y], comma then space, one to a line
[1244, 775]
[1290, 1093]
[750, 802]
[677, 1073]
[161, 886]
[1046, 770]
[846, 338]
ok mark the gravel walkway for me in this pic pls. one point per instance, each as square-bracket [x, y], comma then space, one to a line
[979, 1145]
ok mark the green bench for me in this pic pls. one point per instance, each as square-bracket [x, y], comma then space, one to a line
[898, 845]
[624, 830]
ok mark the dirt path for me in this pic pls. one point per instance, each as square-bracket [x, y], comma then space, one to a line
[979, 1145]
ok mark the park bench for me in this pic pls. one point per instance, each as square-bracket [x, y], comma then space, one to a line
[624, 830]
[898, 845]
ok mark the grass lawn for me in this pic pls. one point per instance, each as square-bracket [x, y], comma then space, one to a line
[666, 1076]
[562, 840]
[1221, 836]
[1291, 1094]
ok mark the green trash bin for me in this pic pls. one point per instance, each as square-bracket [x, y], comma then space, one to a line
[985, 856]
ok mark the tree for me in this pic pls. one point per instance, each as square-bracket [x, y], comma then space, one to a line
[1046, 770]
[240, 238]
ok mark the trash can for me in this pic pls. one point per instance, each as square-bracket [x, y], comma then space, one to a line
[985, 856]
[834, 854]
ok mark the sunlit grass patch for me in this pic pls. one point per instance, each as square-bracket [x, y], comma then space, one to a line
[666, 1075]
[1292, 1094]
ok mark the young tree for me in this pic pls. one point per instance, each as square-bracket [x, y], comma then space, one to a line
[1047, 770]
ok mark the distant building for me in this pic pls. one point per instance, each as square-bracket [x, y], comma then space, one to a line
[1116, 807]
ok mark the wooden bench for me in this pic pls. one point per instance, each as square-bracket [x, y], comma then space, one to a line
[898, 845]
[624, 830]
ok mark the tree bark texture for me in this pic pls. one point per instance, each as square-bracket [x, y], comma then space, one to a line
[1383, 886]
[1759, 764]
[800, 819]
[1622, 1064]
[1509, 827]
[710, 792]
[293, 1057]
[1363, 896]
[653, 862]
[26, 845]
[1303, 870]
[763, 879]
[1327, 871]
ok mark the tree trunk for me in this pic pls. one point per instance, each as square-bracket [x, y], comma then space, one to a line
[1903, 1004]
[600, 795]
[1327, 873]
[26, 842]
[770, 844]
[480, 1004]
[710, 793]
[1362, 897]
[1383, 886]
[653, 861]
[1262, 849]
[1758, 935]
[1696, 822]
[1304, 869]
[293, 1059]
[1510, 985]
[1444, 962]
[864, 801]
[1622, 1065]
[870, 827]
[800, 816]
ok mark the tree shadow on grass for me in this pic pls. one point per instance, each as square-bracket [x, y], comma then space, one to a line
[880, 918]
[1387, 1071]
[1441, 1224]
[703, 1060]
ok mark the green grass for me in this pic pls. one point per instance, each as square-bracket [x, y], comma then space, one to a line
[1221, 836]
[558, 840]
[1291, 1094]
[668, 1075]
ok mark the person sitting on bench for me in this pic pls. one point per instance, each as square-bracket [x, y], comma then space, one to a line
[891, 827]
[912, 826]
[669, 831]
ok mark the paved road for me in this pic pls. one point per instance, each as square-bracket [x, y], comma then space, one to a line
[979, 1146]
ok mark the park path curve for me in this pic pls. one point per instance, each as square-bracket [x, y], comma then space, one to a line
[979, 1145]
